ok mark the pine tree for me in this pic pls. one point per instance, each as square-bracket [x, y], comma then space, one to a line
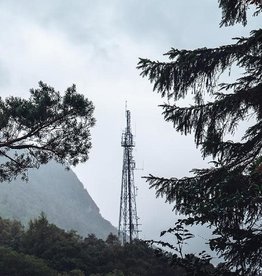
[228, 195]
[46, 126]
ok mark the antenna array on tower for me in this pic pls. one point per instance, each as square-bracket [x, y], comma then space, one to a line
[128, 220]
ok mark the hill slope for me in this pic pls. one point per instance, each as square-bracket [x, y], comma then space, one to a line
[60, 195]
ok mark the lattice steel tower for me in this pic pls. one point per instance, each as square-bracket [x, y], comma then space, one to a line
[128, 220]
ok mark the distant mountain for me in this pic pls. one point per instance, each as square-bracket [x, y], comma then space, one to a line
[60, 195]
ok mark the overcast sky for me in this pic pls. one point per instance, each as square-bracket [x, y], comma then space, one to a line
[96, 45]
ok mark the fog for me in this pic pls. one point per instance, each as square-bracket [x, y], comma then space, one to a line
[96, 45]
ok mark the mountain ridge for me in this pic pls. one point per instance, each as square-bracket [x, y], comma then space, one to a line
[60, 195]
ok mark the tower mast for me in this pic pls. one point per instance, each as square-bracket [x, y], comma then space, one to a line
[128, 220]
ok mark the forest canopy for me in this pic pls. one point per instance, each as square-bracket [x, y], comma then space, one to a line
[44, 249]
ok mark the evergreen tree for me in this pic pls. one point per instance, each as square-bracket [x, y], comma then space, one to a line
[45, 249]
[228, 195]
[44, 127]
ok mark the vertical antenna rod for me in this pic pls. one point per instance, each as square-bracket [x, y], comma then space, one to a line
[128, 220]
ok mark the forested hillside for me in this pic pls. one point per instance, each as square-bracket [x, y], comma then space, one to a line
[60, 195]
[44, 249]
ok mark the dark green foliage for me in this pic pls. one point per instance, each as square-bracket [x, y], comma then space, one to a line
[44, 127]
[19, 264]
[11, 233]
[46, 241]
[44, 246]
[235, 11]
[228, 195]
[44, 249]
[189, 264]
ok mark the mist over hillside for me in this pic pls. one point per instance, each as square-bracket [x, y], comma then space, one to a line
[60, 195]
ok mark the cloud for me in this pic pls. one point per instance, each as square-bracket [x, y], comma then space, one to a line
[164, 22]
[4, 76]
[96, 44]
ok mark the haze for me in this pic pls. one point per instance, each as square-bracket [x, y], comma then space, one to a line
[96, 45]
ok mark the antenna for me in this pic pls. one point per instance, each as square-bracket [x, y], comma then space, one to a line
[128, 220]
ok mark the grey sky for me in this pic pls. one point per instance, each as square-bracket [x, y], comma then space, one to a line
[96, 45]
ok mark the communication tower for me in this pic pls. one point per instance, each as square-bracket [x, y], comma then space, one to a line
[128, 220]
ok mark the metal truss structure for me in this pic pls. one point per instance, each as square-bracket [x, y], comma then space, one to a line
[128, 220]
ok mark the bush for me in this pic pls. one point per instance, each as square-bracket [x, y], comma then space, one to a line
[19, 264]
